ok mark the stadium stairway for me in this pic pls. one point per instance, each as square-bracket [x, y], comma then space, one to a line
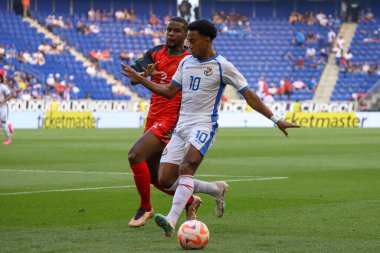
[78, 55]
[330, 74]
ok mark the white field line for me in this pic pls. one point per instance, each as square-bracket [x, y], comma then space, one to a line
[124, 186]
[118, 187]
[110, 173]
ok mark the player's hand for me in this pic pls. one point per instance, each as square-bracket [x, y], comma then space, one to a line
[283, 125]
[150, 70]
[129, 72]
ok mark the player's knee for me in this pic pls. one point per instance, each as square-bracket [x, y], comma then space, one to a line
[134, 157]
[166, 182]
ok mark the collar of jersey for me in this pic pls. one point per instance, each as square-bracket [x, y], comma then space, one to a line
[210, 59]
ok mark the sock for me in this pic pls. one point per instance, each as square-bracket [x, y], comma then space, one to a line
[5, 127]
[182, 194]
[171, 191]
[210, 188]
[142, 181]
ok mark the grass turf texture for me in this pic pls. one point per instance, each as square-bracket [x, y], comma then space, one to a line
[329, 203]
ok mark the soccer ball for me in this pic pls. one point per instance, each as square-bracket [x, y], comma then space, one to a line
[193, 234]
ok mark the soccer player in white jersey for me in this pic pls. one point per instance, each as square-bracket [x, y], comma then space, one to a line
[5, 95]
[202, 78]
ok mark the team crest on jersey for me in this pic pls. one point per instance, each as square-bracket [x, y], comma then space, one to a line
[208, 71]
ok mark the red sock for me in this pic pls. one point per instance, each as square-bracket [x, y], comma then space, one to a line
[170, 192]
[142, 180]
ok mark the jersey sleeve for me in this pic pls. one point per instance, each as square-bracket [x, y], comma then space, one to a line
[177, 78]
[140, 64]
[232, 76]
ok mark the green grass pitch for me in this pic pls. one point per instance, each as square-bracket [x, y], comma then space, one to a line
[72, 191]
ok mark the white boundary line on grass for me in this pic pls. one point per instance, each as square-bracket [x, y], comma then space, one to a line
[110, 173]
[124, 186]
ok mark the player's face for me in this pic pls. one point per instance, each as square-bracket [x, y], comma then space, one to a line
[198, 44]
[175, 34]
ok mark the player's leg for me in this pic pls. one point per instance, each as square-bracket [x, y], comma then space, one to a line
[147, 145]
[4, 125]
[184, 191]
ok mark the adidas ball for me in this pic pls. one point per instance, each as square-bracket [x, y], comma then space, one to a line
[193, 234]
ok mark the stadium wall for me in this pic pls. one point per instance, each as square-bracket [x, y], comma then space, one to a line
[123, 114]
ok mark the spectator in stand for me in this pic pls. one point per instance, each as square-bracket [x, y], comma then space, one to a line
[366, 68]
[124, 57]
[50, 82]
[312, 85]
[93, 55]
[341, 42]
[91, 14]
[156, 41]
[300, 38]
[300, 63]
[40, 58]
[331, 36]
[140, 54]
[25, 7]
[106, 55]
[348, 56]
[310, 53]
[166, 19]
[262, 88]
[80, 27]
[68, 24]
[2, 53]
[298, 84]
[293, 18]
[153, 20]
[132, 55]
[287, 87]
[272, 89]
[99, 55]
[322, 19]
[94, 28]
[119, 15]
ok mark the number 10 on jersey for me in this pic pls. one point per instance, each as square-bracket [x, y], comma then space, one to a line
[194, 83]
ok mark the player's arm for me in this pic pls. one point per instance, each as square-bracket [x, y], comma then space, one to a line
[255, 102]
[167, 91]
[145, 65]
[6, 99]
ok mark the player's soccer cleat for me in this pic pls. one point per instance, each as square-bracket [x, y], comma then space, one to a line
[192, 208]
[220, 203]
[7, 142]
[165, 224]
[141, 217]
[10, 127]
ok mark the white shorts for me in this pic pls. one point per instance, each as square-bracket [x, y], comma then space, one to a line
[3, 114]
[201, 136]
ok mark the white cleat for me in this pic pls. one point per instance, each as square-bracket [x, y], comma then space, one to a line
[220, 203]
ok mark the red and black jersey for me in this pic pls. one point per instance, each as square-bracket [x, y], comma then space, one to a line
[161, 107]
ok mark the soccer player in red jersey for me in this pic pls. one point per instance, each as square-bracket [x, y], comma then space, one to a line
[160, 63]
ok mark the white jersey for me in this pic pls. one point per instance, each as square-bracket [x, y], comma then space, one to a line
[202, 84]
[4, 92]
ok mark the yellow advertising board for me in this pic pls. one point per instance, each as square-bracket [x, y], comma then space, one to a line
[68, 120]
[325, 119]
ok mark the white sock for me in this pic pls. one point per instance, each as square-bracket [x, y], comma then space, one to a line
[6, 129]
[210, 188]
[182, 194]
